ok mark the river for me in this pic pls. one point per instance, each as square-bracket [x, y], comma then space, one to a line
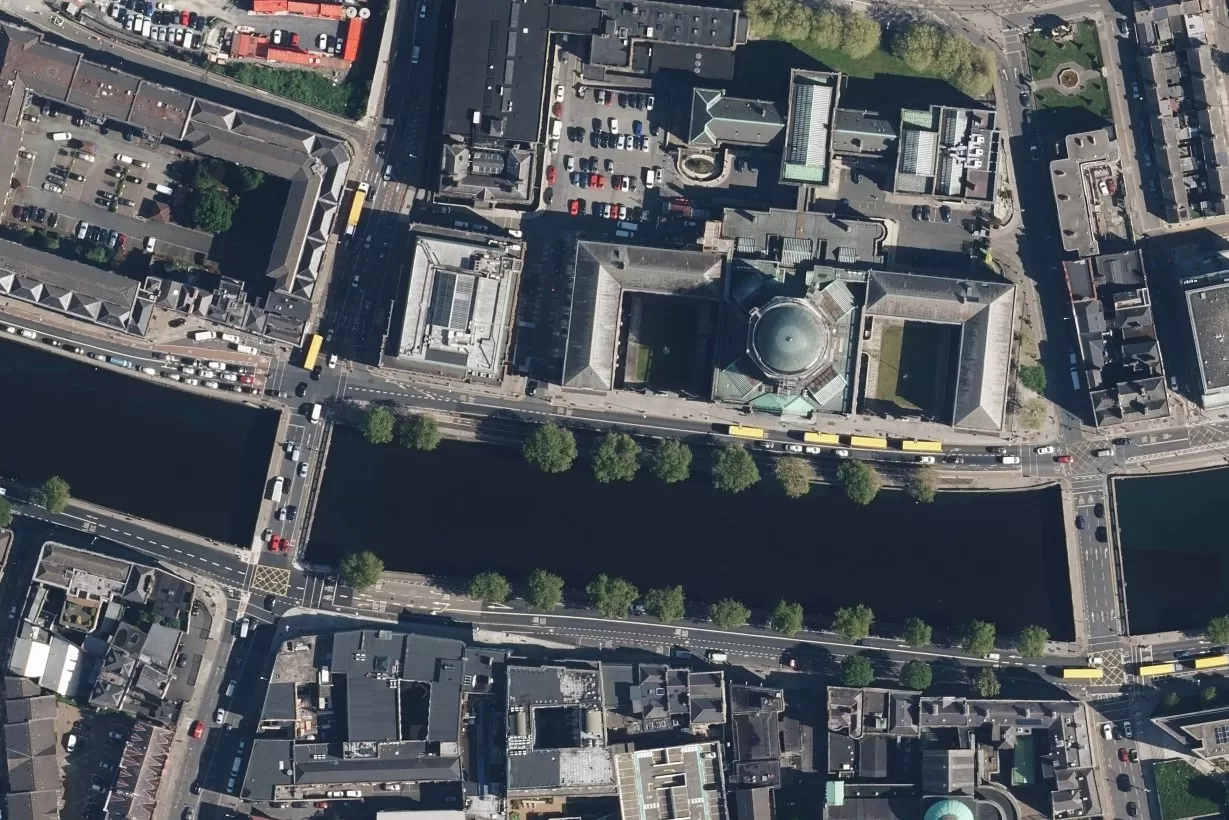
[1175, 564]
[131, 444]
[469, 507]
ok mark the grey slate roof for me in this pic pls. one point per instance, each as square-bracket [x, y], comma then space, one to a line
[601, 273]
[983, 310]
[717, 119]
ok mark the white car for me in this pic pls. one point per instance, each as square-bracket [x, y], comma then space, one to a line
[613, 124]
[1126, 729]
[322, 42]
[1046, 450]
[219, 716]
[925, 459]
[812, 451]
[793, 448]
[54, 188]
[332, 360]
[1107, 731]
[277, 36]
[569, 162]
[841, 453]
[558, 93]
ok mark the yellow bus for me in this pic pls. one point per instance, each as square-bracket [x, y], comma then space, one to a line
[821, 438]
[313, 351]
[1153, 670]
[744, 432]
[356, 207]
[1082, 673]
[868, 442]
[1211, 661]
[914, 446]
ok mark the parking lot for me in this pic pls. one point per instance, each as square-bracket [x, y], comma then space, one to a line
[59, 175]
[607, 146]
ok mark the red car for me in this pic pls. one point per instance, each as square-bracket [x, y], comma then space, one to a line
[274, 542]
[556, 111]
[574, 206]
[321, 805]
[294, 41]
[1124, 756]
[119, 242]
[198, 729]
[616, 211]
[1064, 459]
[183, 18]
[247, 380]
[550, 175]
[285, 546]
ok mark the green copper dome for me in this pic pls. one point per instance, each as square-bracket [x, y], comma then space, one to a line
[789, 338]
[949, 810]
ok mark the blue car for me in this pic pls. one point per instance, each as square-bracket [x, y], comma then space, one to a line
[149, 8]
[637, 128]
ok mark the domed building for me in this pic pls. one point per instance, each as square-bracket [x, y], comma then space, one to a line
[789, 339]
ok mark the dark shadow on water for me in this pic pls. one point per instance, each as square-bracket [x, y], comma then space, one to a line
[190, 462]
[467, 508]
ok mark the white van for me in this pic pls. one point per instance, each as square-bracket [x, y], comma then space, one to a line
[230, 689]
[61, 136]
[71, 743]
[243, 627]
[162, 189]
[650, 177]
[556, 128]
[717, 657]
[1009, 460]
[234, 767]
[315, 416]
[149, 244]
[124, 158]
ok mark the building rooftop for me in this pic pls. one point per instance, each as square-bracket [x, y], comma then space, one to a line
[458, 304]
[1089, 157]
[814, 96]
[672, 784]
[601, 272]
[504, 91]
[718, 119]
[1208, 309]
[984, 312]
[948, 152]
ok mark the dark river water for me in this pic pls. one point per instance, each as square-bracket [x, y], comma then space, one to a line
[1174, 552]
[193, 463]
[471, 507]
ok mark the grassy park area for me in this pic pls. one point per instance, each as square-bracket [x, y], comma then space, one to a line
[1094, 97]
[1184, 792]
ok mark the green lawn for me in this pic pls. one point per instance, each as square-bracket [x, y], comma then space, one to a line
[877, 62]
[1184, 792]
[1045, 55]
[1094, 97]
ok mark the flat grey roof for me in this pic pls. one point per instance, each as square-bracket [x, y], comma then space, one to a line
[984, 311]
[675, 782]
[718, 119]
[266, 768]
[1071, 192]
[1208, 308]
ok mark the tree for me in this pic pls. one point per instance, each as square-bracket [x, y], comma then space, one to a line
[860, 34]
[856, 671]
[1218, 629]
[213, 210]
[986, 684]
[787, 618]
[6, 513]
[860, 481]
[617, 458]
[917, 632]
[378, 425]
[97, 255]
[978, 638]
[853, 623]
[1032, 641]
[671, 461]
[1208, 693]
[922, 484]
[611, 597]
[916, 675]
[728, 614]
[545, 590]
[51, 242]
[551, 449]
[249, 179]
[1171, 700]
[1033, 376]
[917, 46]
[734, 470]
[418, 432]
[490, 587]
[666, 604]
[54, 494]
[827, 28]
[361, 569]
[795, 475]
